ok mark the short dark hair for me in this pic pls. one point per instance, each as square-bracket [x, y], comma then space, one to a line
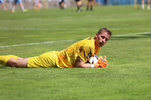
[106, 30]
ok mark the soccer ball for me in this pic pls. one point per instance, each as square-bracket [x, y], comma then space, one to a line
[93, 59]
[65, 6]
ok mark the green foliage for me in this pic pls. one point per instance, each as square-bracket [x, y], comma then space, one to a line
[127, 76]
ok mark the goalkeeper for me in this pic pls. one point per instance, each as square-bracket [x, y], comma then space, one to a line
[75, 55]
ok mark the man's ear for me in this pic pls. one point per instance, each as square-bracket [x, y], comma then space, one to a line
[96, 34]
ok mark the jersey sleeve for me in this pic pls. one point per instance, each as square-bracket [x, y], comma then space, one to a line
[86, 53]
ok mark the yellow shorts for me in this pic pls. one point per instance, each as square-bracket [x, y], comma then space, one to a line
[45, 60]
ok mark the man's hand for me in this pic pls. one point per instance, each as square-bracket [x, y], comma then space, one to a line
[101, 62]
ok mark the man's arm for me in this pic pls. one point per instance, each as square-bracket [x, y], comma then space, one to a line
[101, 63]
[81, 63]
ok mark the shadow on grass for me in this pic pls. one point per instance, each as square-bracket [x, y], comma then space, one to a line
[130, 37]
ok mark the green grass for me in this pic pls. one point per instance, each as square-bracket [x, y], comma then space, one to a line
[126, 77]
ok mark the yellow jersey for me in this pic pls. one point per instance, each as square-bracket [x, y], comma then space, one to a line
[67, 57]
[84, 49]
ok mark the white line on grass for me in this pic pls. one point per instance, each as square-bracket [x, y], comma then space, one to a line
[45, 28]
[18, 45]
[24, 28]
[131, 34]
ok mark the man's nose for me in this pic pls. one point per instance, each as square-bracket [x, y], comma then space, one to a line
[103, 40]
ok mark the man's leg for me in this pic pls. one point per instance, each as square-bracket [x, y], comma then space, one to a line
[92, 3]
[13, 61]
[62, 5]
[79, 6]
[88, 4]
[13, 8]
[142, 4]
[18, 63]
[148, 6]
[4, 7]
[21, 6]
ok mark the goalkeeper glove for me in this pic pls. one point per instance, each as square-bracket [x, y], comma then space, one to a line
[101, 62]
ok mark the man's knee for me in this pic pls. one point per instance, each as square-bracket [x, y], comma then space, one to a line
[18, 63]
[11, 62]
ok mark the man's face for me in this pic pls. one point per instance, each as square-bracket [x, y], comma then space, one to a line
[101, 39]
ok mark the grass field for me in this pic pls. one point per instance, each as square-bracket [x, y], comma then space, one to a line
[126, 77]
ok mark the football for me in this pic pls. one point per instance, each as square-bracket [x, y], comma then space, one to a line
[93, 59]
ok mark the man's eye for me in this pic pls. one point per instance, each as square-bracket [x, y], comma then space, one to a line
[103, 37]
